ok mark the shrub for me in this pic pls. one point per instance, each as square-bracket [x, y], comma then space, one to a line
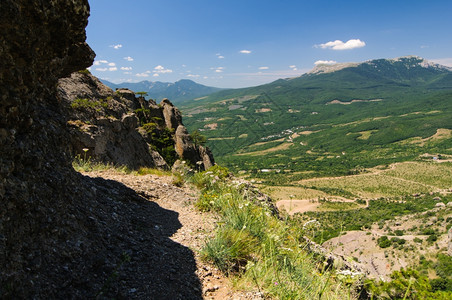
[417, 240]
[432, 238]
[82, 104]
[85, 71]
[384, 242]
[398, 232]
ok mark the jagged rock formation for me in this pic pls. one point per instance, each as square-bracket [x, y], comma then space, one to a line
[119, 128]
[63, 235]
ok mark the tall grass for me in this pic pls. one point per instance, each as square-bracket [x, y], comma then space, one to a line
[259, 248]
[86, 164]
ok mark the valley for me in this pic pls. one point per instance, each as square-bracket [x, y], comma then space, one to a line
[361, 152]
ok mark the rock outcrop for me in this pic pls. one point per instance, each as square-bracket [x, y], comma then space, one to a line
[119, 128]
[63, 235]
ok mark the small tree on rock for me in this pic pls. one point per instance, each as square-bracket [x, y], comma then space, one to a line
[198, 138]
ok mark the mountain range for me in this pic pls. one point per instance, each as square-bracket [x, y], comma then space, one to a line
[177, 92]
[334, 109]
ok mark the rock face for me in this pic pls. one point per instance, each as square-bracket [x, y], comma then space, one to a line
[103, 122]
[119, 128]
[63, 235]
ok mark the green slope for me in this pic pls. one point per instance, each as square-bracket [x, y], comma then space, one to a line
[365, 110]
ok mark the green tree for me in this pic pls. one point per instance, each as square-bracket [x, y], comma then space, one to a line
[198, 138]
[142, 94]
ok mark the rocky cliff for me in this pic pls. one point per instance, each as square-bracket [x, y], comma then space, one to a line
[120, 128]
[63, 235]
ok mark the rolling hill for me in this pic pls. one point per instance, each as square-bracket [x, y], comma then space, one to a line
[177, 92]
[332, 120]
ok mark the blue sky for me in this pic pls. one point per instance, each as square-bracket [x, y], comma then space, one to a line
[245, 43]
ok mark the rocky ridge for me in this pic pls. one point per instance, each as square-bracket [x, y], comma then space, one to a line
[122, 129]
[64, 235]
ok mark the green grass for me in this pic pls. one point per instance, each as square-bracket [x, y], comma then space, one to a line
[257, 248]
[86, 164]
[84, 103]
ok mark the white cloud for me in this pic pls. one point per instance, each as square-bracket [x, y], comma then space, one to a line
[116, 46]
[245, 51]
[99, 62]
[325, 62]
[205, 77]
[148, 72]
[112, 64]
[219, 56]
[193, 75]
[101, 69]
[126, 68]
[218, 69]
[112, 69]
[340, 45]
[162, 70]
[263, 68]
[292, 66]
[142, 75]
[128, 58]
[127, 73]
[156, 75]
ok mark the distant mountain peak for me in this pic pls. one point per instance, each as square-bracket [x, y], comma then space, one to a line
[181, 90]
[408, 61]
[328, 68]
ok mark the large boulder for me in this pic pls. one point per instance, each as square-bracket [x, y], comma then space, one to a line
[185, 148]
[173, 117]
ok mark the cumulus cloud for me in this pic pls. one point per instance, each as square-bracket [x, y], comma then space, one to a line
[293, 67]
[193, 75]
[156, 75]
[116, 46]
[263, 68]
[111, 66]
[126, 68]
[245, 51]
[218, 69]
[340, 45]
[161, 69]
[325, 62]
[219, 56]
[142, 75]
[99, 62]
[128, 58]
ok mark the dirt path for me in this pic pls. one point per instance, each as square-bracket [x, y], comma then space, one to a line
[194, 231]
